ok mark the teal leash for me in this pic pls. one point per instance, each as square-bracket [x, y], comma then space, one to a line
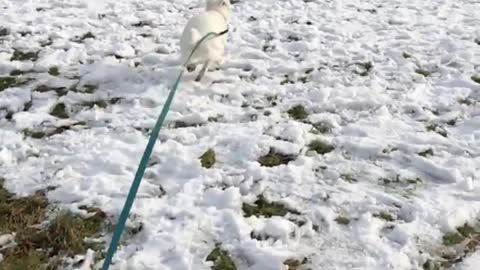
[144, 161]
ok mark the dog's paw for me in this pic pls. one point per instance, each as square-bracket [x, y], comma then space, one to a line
[191, 68]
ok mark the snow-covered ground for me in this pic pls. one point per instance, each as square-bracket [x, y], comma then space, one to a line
[471, 263]
[398, 204]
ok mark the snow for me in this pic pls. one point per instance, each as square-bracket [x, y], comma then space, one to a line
[470, 263]
[378, 126]
[6, 240]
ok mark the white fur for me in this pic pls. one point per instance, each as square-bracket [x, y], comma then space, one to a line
[214, 19]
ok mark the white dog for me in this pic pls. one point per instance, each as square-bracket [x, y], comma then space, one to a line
[211, 51]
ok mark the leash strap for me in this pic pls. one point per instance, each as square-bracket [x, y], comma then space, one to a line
[144, 161]
[223, 32]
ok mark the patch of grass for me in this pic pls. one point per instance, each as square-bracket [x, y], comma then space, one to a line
[61, 91]
[423, 72]
[389, 150]
[295, 264]
[64, 237]
[9, 115]
[141, 24]
[385, 216]
[221, 259]
[437, 129]
[182, 124]
[90, 88]
[4, 32]
[415, 181]
[273, 159]
[7, 82]
[342, 220]
[24, 56]
[162, 192]
[208, 159]
[262, 207]
[31, 259]
[259, 236]
[387, 181]
[475, 79]
[84, 37]
[214, 118]
[66, 234]
[46, 43]
[297, 112]
[97, 211]
[115, 100]
[99, 103]
[42, 248]
[461, 233]
[434, 111]
[54, 71]
[426, 153]
[60, 111]
[39, 134]
[25, 33]
[27, 105]
[293, 38]
[35, 134]
[451, 239]
[268, 48]
[16, 72]
[273, 100]
[20, 212]
[298, 220]
[320, 147]
[287, 80]
[467, 230]
[88, 35]
[4, 194]
[466, 101]
[323, 127]
[303, 79]
[451, 122]
[253, 117]
[366, 68]
[405, 187]
[349, 178]
[391, 180]
[309, 70]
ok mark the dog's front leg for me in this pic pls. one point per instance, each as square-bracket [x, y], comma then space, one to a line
[202, 71]
[216, 65]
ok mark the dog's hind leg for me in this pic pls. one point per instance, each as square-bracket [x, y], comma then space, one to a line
[216, 65]
[202, 71]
